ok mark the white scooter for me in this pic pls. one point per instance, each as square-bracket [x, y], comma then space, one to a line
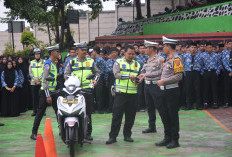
[71, 112]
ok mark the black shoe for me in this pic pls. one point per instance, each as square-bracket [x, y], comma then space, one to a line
[215, 106]
[33, 114]
[189, 107]
[149, 130]
[164, 142]
[101, 112]
[111, 141]
[206, 105]
[173, 144]
[184, 108]
[33, 136]
[89, 138]
[1, 124]
[142, 110]
[226, 105]
[128, 139]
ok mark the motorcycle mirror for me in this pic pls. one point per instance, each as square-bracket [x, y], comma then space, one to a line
[90, 77]
[51, 79]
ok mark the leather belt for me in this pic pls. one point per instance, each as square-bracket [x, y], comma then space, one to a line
[170, 86]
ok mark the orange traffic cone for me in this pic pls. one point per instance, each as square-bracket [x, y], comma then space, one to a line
[40, 149]
[49, 141]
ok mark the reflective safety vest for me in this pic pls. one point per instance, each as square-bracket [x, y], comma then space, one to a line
[82, 69]
[37, 69]
[53, 73]
[127, 86]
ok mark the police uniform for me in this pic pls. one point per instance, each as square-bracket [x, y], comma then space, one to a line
[168, 105]
[227, 63]
[210, 62]
[192, 81]
[82, 69]
[153, 70]
[125, 99]
[49, 70]
[36, 71]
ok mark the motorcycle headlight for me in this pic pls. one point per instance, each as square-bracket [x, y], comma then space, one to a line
[71, 88]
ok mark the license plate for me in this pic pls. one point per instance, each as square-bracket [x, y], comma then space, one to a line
[70, 101]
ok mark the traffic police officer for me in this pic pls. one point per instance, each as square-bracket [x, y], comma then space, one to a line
[210, 62]
[152, 73]
[168, 105]
[227, 63]
[45, 97]
[125, 71]
[82, 67]
[36, 73]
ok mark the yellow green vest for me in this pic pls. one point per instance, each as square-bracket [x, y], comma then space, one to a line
[127, 86]
[52, 73]
[82, 69]
[37, 69]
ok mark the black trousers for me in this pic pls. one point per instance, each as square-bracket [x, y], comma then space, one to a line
[42, 108]
[227, 88]
[152, 92]
[192, 85]
[210, 84]
[99, 94]
[111, 80]
[141, 96]
[123, 103]
[89, 100]
[221, 87]
[182, 93]
[35, 96]
[168, 108]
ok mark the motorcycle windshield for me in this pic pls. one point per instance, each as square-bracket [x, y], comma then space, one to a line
[72, 81]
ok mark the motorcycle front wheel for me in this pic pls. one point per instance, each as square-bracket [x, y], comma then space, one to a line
[72, 141]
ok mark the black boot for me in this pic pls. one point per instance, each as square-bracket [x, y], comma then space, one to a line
[173, 144]
[215, 106]
[189, 107]
[149, 130]
[89, 138]
[1, 124]
[128, 139]
[33, 136]
[33, 114]
[111, 141]
[164, 142]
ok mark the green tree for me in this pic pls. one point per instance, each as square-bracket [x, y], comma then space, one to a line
[27, 38]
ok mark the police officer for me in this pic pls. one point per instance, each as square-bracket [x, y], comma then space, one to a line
[141, 58]
[227, 63]
[192, 81]
[125, 71]
[210, 62]
[45, 97]
[36, 73]
[83, 66]
[152, 73]
[99, 90]
[168, 105]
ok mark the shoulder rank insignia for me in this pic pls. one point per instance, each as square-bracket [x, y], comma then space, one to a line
[178, 66]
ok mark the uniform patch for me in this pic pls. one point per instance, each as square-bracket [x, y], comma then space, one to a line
[178, 66]
[87, 64]
[135, 68]
[33, 64]
[41, 64]
[124, 66]
[76, 64]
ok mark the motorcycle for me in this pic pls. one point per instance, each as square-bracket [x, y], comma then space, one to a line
[71, 112]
